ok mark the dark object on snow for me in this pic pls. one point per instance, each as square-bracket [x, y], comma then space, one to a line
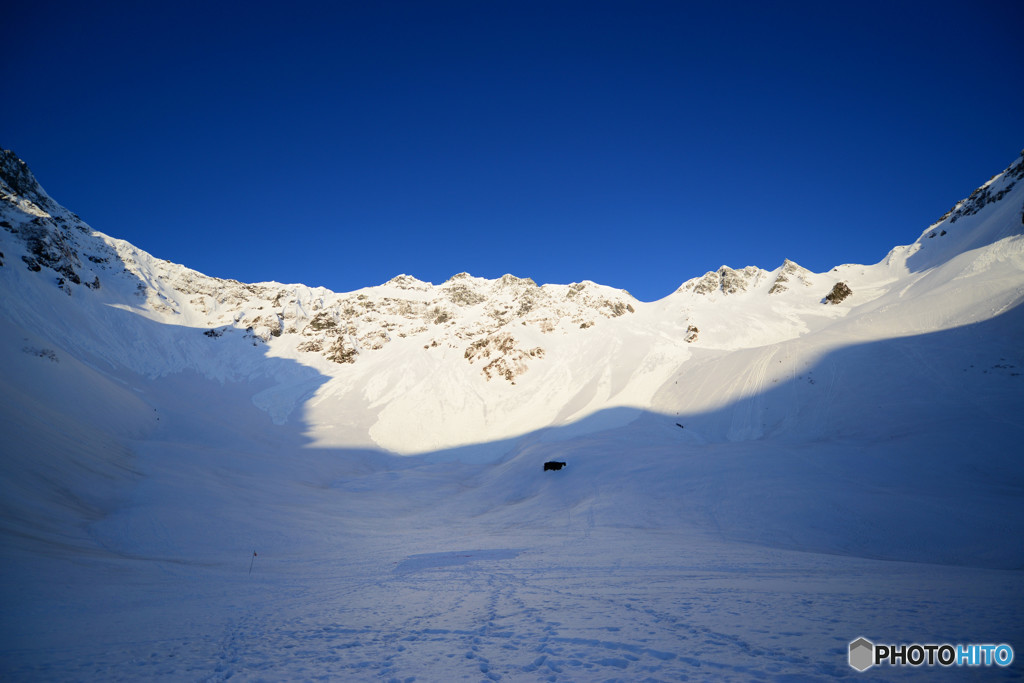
[838, 293]
[552, 465]
[680, 426]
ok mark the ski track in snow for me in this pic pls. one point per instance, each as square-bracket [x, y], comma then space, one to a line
[670, 607]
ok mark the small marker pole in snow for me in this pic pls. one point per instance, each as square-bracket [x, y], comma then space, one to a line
[251, 562]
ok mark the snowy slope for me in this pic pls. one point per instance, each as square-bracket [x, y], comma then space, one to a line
[756, 476]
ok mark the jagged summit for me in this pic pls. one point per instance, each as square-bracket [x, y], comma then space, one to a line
[17, 180]
[725, 280]
[729, 281]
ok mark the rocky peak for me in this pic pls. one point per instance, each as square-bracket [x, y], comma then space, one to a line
[790, 273]
[508, 281]
[407, 282]
[17, 181]
[726, 280]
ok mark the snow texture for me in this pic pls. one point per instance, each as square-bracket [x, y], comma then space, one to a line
[755, 477]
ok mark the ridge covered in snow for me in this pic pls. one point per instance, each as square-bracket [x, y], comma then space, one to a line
[464, 342]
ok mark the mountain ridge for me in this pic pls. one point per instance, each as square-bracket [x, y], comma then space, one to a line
[512, 356]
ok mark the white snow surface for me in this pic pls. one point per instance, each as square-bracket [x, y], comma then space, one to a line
[754, 477]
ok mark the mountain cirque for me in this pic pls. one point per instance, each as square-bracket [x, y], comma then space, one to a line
[210, 480]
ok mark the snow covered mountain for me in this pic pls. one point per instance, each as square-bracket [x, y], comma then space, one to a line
[427, 367]
[871, 411]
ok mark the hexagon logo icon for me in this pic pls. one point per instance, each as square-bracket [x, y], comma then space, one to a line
[862, 654]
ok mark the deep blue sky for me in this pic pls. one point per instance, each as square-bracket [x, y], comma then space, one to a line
[636, 144]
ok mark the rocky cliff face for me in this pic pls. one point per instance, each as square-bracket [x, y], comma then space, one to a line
[51, 235]
[989, 193]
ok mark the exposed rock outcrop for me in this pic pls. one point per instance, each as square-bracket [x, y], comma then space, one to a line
[840, 292]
